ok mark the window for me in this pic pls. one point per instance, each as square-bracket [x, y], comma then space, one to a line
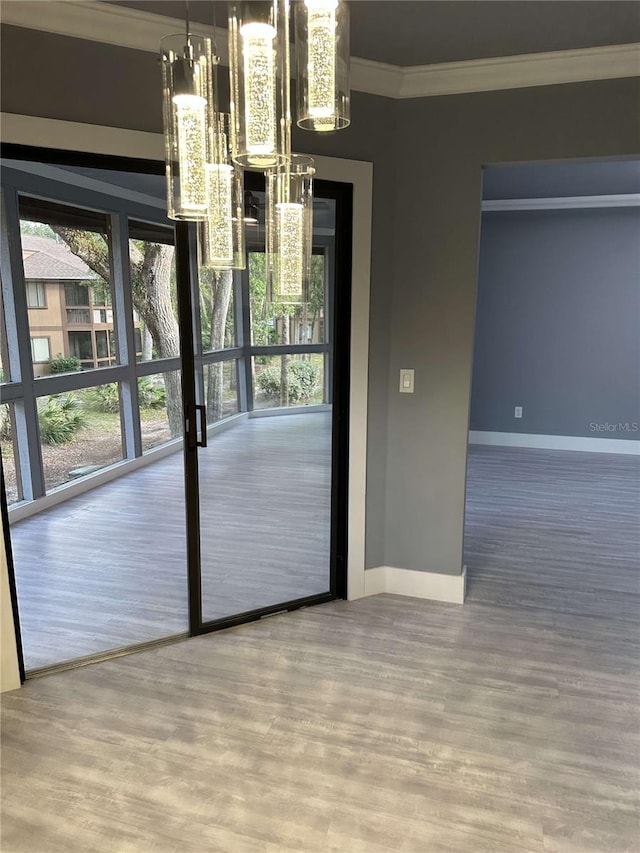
[76, 294]
[289, 380]
[221, 389]
[80, 346]
[80, 432]
[151, 252]
[78, 316]
[102, 316]
[160, 408]
[40, 349]
[36, 295]
[102, 345]
[57, 271]
[286, 324]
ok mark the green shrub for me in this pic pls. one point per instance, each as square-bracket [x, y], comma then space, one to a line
[151, 396]
[103, 398]
[304, 381]
[106, 398]
[269, 383]
[60, 418]
[307, 375]
[64, 364]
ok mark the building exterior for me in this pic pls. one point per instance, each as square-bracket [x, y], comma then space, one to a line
[69, 308]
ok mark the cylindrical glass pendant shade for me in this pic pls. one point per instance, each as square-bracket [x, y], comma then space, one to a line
[259, 76]
[187, 110]
[289, 231]
[322, 59]
[222, 232]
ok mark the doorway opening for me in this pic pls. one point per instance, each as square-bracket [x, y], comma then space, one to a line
[553, 478]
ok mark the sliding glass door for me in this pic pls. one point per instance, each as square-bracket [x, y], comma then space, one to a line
[268, 487]
[91, 414]
[173, 444]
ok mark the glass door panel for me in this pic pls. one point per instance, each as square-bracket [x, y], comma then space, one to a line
[91, 413]
[265, 481]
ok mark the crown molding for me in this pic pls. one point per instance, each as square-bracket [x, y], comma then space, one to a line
[562, 202]
[376, 78]
[516, 72]
[116, 25]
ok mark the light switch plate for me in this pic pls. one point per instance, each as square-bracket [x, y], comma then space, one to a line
[406, 380]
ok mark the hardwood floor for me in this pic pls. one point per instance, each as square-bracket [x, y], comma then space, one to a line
[381, 725]
[108, 569]
[554, 529]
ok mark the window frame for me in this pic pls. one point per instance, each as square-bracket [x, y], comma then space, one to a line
[85, 209]
[35, 338]
[43, 285]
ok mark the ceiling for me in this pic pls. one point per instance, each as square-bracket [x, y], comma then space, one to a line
[423, 32]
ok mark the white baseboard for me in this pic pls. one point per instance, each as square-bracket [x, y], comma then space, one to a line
[556, 442]
[430, 585]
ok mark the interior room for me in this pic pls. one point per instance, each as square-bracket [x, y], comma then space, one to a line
[552, 502]
[319, 414]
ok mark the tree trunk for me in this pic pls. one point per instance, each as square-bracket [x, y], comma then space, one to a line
[221, 286]
[147, 344]
[152, 300]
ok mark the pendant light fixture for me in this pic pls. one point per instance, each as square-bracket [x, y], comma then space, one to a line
[289, 230]
[206, 150]
[259, 68]
[322, 61]
[188, 98]
[222, 233]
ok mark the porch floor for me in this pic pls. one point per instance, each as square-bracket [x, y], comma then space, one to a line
[108, 569]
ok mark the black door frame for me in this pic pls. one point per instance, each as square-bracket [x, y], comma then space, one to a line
[185, 237]
[185, 242]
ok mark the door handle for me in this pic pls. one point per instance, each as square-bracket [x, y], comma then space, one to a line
[192, 426]
[203, 426]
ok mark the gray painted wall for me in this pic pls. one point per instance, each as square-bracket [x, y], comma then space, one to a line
[427, 155]
[446, 141]
[101, 84]
[550, 180]
[558, 322]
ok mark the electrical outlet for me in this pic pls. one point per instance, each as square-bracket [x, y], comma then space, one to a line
[517, 412]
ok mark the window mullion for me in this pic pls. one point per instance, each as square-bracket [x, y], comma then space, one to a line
[125, 335]
[19, 347]
[245, 375]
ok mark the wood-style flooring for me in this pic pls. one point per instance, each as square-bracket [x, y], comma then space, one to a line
[108, 569]
[553, 529]
[387, 724]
